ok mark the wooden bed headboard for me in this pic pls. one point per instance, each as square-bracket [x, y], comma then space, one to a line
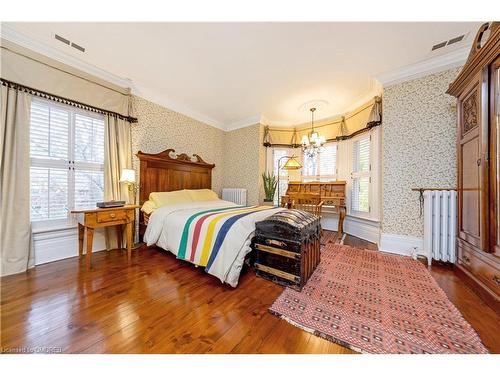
[163, 172]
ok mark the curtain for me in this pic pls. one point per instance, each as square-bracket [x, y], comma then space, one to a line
[15, 228]
[28, 68]
[117, 156]
[344, 127]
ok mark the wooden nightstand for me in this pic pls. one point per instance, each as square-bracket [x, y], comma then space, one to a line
[105, 217]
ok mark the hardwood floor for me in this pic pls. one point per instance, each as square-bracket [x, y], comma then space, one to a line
[157, 304]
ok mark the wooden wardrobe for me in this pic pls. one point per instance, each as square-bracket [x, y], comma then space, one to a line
[477, 89]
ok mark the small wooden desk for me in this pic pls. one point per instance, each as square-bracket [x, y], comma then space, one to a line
[332, 194]
[104, 217]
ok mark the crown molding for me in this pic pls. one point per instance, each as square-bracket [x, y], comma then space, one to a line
[432, 65]
[14, 36]
[172, 105]
[425, 67]
[243, 123]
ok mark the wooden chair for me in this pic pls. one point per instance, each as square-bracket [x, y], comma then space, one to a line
[307, 202]
[286, 201]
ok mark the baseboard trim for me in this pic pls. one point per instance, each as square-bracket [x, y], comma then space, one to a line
[367, 230]
[58, 244]
[400, 244]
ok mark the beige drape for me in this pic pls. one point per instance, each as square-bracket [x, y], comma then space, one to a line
[16, 250]
[117, 156]
[345, 126]
[31, 69]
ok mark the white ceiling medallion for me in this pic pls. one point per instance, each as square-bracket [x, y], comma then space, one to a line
[319, 104]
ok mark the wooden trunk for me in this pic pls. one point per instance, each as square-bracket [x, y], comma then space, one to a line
[477, 89]
[287, 247]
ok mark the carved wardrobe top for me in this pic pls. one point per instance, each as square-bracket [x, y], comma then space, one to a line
[484, 51]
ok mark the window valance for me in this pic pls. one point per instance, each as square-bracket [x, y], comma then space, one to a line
[345, 127]
[51, 79]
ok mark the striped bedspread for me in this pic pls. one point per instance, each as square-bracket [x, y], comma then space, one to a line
[215, 235]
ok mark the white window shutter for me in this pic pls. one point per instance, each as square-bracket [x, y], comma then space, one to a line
[49, 193]
[89, 139]
[49, 131]
[360, 193]
[89, 188]
[328, 162]
[67, 159]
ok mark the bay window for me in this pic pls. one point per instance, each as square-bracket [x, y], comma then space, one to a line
[355, 161]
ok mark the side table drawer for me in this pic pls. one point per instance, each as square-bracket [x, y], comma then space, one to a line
[104, 217]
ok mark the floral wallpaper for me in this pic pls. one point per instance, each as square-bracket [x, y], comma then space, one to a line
[419, 149]
[159, 128]
[242, 161]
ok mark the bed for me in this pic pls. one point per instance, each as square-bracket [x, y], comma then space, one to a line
[181, 215]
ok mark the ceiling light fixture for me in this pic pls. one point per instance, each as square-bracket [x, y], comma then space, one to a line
[312, 144]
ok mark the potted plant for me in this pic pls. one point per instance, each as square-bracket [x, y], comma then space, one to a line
[270, 184]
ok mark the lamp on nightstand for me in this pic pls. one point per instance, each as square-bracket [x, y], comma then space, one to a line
[128, 178]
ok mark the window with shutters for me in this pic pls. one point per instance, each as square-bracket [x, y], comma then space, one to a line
[278, 153]
[323, 166]
[361, 175]
[67, 159]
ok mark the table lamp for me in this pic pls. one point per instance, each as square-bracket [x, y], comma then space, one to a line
[128, 178]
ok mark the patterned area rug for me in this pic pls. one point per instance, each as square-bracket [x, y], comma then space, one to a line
[373, 302]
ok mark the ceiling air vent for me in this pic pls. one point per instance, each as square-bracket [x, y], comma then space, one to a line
[61, 39]
[79, 48]
[456, 39]
[69, 43]
[439, 45]
[448, 42]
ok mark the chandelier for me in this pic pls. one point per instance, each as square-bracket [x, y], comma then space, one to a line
[312, 144]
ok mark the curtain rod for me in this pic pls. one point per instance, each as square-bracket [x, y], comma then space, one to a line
[67, 101]
[61, 70]
[337, 139]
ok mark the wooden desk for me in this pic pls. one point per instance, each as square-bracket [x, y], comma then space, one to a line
[104, 217]
[332, 194]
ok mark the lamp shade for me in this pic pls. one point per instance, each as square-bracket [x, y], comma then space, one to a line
[128, 175]
[305, 140]
[292, 164]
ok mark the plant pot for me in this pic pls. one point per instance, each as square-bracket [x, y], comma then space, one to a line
[267, 203]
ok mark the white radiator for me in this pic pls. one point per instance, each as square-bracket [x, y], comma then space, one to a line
[440, 225]
[238, 196]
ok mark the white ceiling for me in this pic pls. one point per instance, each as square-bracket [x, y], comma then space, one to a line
[235, 74]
